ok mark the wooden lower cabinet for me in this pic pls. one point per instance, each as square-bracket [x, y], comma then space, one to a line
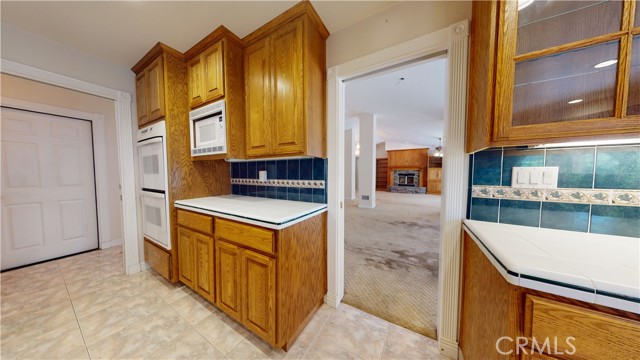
[271, 281]
[496, 313]
[228, 273]
[259, 294]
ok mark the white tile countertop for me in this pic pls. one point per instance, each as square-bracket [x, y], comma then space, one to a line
[595, 268]
[269, 213]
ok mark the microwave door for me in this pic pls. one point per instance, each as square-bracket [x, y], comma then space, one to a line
[154, 218]
[151, 158]
[210, 132]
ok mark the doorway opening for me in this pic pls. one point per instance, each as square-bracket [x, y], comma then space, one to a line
[394, 121]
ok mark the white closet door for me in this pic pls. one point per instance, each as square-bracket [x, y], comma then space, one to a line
[48, 187]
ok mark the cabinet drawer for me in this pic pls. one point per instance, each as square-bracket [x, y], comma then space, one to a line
[247, 235]
[158, 259]
[596, 335]
[195, 221]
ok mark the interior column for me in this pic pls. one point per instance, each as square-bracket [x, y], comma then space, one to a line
[367, 161]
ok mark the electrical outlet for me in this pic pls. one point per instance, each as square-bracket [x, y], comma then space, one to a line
[535, 177]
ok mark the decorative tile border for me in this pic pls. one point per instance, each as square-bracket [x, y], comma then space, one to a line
[310, 184]
[578, 196]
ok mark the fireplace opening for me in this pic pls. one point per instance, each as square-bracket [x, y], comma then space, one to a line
[407, 179]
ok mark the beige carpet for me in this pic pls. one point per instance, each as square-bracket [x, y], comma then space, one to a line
[391, 259]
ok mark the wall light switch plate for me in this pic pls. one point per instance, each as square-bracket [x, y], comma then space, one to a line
[535, 177]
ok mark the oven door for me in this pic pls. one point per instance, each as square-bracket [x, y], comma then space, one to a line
[154, 218]
[152, 168]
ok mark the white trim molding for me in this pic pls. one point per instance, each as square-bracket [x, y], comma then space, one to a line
[454, 41]
[122, 102]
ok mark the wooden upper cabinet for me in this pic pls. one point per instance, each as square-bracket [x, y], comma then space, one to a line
[150, 92]
[288, 89]
[141, 98]
[206, 75]
[258, 98]
[285, 79]
[552, 71]
[215, 72]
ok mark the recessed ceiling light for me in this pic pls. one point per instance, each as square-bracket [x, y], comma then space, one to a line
[524, 3]
[575, 101]
[605, 63]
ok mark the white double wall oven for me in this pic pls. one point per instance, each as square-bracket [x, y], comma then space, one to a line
[153, 194]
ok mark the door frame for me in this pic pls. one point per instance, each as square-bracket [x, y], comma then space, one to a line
[99, 159]
[454, 40]
[124, 128]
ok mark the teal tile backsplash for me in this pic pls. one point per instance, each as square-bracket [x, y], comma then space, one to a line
[598, 189]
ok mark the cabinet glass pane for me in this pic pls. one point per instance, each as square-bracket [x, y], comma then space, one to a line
[566, 86]
[545, 24]
[633, 102]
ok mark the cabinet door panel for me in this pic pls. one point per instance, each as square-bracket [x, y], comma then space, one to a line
[155, 94]
[566, 86]
[213, 72]
[205, 266]
[186, 256]
[633, 100]
[545, 24]
[289, 122]
[258, 293]
[141, 98]
[195, 76]
[257, 96]
[228, 275]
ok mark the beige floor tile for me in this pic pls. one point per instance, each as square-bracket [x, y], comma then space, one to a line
[51, 342]
[222, 332]
[36, 322]
[405, 344]
[310, 332]
[34, 301]
[100, 324]
[142, 338]
[187, 345]
[254, 348]
[190, 305]
[350, 332]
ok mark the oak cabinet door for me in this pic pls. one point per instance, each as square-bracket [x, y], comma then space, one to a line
[141, 98]
[213, 76]
[205, 284]
[228, 275]
[288, 89]
[186, 256]
[155, 90]
[258, 98]
[194, 70]
[259, 293]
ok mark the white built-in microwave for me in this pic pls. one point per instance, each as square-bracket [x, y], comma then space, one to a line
[208, 130]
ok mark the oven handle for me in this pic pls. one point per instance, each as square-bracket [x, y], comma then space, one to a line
[153, 194]
[152, 140]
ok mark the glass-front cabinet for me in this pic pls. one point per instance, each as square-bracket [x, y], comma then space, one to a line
[562, 70]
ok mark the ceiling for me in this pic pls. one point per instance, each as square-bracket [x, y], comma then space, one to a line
[121, 32]
[407, 111]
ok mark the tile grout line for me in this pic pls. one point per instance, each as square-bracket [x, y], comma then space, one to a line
[315, 337]
[386, 337]
[194, 328]
[84, 341]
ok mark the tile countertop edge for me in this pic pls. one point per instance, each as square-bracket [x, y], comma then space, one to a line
[251, 221]
[565, 289]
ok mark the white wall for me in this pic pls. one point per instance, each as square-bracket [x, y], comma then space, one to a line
[399, 23]
[367, 162]
[33, 50]
[381, 152]
[349, 165]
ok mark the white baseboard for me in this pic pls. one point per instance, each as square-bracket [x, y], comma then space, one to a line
[331, 300]
[448, 348]
[111, 243]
